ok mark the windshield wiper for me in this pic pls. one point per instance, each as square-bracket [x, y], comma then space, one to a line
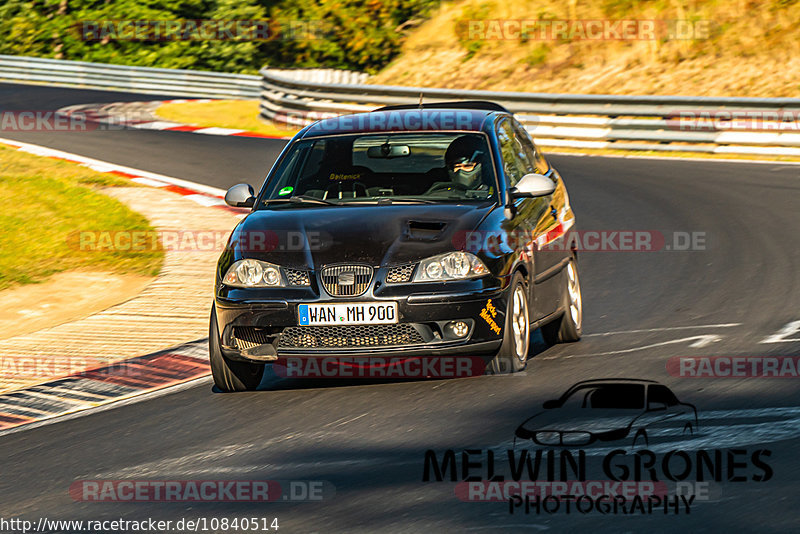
[389, 201]
[303, 199]
[309, 198]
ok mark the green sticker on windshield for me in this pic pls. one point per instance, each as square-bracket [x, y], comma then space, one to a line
[285, 191]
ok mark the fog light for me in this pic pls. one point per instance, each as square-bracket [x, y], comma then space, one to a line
[460, 328]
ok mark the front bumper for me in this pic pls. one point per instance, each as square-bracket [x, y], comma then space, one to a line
[254, 328]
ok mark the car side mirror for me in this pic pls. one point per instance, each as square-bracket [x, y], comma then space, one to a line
[533, 185]
[240, 196]
[549, 405]
[656, 406]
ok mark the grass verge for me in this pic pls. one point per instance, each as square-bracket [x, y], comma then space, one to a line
[241, 114]
[43, 202]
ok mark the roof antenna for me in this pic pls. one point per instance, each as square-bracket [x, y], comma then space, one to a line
[420, 101]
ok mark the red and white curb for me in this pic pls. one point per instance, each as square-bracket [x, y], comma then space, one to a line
[142, 116]
[204, 195]
[126, 379]
[101, 386]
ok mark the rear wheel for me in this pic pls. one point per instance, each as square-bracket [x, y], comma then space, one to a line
[513, 353]
[567, 327]
[230, 375]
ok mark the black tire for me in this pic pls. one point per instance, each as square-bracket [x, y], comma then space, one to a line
[513, 353]
[568, 327]
[230, 375]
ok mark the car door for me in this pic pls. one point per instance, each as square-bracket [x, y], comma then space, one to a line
[528, 213]
[552, 250]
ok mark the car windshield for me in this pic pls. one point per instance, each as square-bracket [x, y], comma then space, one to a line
[384, 168]
[607, 396]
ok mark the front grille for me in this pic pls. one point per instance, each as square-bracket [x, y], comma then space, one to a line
[297, 277]
[346, 280]
[247, 337]
[349, 336]
[401, 274]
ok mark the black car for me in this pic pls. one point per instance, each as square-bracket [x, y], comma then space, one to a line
[410, 230]
[608, 410]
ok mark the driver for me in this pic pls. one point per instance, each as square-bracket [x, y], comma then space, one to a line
[463, 162]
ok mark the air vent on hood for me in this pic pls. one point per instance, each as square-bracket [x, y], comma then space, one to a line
[424, 230]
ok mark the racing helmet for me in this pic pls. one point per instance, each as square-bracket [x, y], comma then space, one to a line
[463, 161]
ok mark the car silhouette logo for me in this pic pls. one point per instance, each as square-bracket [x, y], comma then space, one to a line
[610, 410]
[347, 278]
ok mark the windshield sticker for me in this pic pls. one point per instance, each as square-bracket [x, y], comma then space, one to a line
[342, 177]
[285, 191]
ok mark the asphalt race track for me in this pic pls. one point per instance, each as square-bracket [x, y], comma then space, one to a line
[190, 156]
[368, 439]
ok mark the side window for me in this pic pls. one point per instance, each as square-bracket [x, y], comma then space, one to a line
[300, 172]
[515, 162]
[525, 149]
[661, 394]
[539, 165]
[314, 160]
[284, 174]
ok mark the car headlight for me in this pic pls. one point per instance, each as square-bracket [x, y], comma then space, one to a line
[450, 266]
[253, 273]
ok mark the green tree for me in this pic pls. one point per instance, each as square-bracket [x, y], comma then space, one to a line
[356, 34]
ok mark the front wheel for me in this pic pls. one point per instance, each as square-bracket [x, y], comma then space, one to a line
[567, 328]
[513, 353]
[230, 375]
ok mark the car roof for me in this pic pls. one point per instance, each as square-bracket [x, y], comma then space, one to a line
[599, 381]
[403, 120]
[456, 104]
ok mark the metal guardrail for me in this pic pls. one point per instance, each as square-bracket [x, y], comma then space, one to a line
[188, 83]
[177, 82]
[174, 82]
[299, 96]
[566, 120]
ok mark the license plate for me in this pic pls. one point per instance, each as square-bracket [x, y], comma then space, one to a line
[347, 313]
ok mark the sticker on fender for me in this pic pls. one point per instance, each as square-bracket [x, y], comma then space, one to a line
[347, 313]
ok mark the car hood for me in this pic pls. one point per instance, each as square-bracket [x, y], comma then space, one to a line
[582, 420]
[374, 235]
